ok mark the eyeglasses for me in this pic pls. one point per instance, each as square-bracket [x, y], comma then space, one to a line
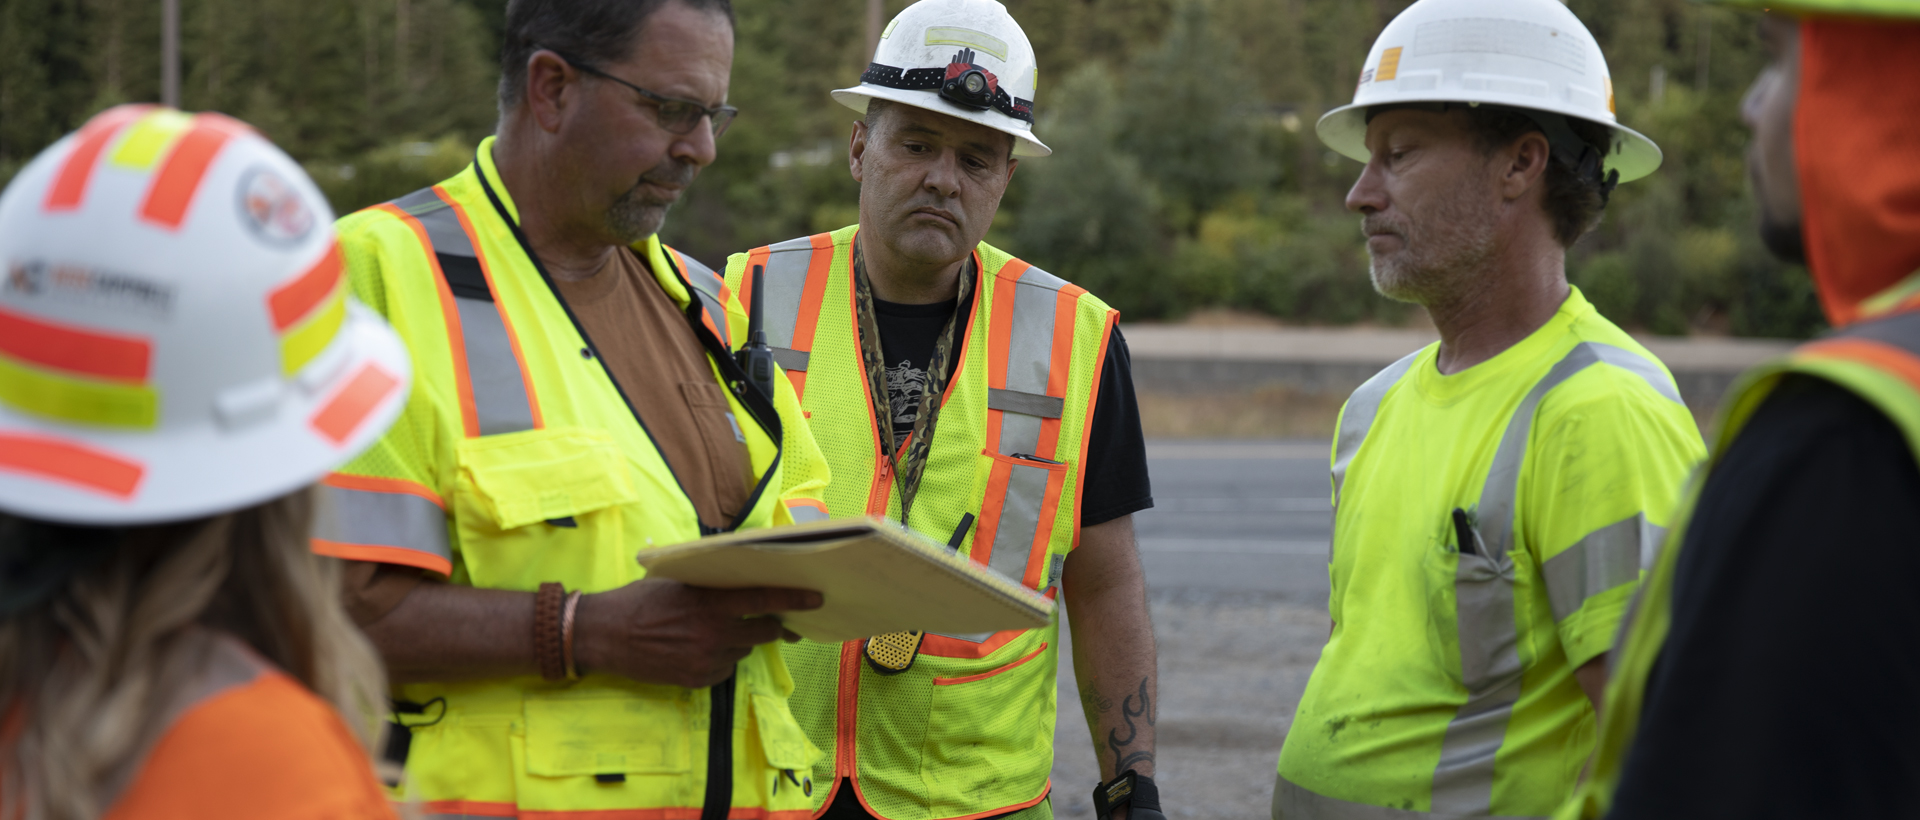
[676, 115]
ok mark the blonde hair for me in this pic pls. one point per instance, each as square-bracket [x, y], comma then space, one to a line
[96, 666]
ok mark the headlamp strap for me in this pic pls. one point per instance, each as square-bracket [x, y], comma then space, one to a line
[947, 82]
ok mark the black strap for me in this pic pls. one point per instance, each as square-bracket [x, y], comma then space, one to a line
[1132, 791]
[931, 79]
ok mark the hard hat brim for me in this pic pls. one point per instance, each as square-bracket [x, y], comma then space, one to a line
[206, 470]
[856, 98]
[1344, 130]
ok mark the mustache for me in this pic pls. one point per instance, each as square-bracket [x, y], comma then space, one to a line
[1380, 223]
[671, 173]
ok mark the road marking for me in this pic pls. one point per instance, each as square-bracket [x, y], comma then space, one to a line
[1221, 546]
[1319, 451]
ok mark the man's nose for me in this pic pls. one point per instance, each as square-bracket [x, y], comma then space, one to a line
[943, 177]
[697, 146]
[1368, 194]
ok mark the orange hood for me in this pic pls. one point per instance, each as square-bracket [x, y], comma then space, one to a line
[1857, 142]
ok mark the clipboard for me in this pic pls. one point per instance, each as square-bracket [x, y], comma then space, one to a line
[876, 577]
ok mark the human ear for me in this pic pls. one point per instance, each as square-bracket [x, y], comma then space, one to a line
[857, 149]
[1526, 164]
[548, 78]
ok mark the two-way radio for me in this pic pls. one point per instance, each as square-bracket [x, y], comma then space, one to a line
[757, 358]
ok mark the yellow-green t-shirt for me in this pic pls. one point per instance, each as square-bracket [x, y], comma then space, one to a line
[1447, 685]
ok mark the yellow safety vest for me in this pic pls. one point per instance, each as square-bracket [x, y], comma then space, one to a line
[518, 461]
[1878, 359]
[968, 730]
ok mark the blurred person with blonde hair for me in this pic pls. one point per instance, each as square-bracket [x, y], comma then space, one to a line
[179, 362]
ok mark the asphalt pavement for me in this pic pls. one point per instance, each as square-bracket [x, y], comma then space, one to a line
[1235, 551]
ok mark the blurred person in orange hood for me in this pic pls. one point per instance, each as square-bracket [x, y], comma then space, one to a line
[1789, 591]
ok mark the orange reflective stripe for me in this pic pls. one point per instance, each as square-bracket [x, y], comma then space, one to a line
[342, 414]
[179, 177]
[69, 187]
[377, 554]
[755, 258]
[991, 672]
[1086, 438]
[375, 484]
[1064, 307]
[298, 297]
[70, 462]
[456, 341]
[513, 339]
[74, 350]
[473, 808]
[1881, 356]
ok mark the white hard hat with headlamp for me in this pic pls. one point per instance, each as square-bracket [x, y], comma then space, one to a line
[176, 338]
[1533, 56]
[963, 58]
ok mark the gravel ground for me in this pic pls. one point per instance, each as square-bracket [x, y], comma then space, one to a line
[1231, 673]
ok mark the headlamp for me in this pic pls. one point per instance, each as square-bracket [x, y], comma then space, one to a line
[969, 88]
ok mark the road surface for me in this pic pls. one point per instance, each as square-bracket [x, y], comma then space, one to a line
[1236, 558]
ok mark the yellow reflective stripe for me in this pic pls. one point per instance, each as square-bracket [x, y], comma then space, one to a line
[150, 138]
[305, 341]
[84, 401]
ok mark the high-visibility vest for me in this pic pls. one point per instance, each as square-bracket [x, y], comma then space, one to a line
[237, 738]
[1878, 359]
[518, 461]
[968, 729]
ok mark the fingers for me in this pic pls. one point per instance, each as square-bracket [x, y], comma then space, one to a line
[747, 603]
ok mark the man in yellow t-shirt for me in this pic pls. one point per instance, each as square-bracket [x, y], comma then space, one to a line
[1497, 493]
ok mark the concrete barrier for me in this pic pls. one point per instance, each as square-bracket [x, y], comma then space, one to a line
[1197, 380]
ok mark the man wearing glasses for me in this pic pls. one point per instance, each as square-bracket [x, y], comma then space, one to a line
[573, 407]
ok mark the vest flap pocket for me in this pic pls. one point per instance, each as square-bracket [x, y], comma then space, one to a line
[569, 737]
[541, 475]
[781, 739]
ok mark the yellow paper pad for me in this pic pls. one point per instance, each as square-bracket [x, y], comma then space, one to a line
[875, 576]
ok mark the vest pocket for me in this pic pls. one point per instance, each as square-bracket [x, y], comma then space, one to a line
[612, 734]
[1021, 501]
[535, 476]
[990, 733]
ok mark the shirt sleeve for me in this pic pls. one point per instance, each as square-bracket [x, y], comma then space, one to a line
[388, 505]
[1608, 461]
[1784, 687]
[1116, 482]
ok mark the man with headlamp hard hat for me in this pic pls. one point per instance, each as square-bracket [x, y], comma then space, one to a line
[179, 363]
[978, 399]
[1769, 669]
[578, 402]
[1495, 492]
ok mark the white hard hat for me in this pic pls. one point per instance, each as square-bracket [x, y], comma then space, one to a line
[963, 58]
[175, 335]
[1526, 54]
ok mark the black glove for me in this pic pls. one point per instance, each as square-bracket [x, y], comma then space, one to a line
[1131, 790]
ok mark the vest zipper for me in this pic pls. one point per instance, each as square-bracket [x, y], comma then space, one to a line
[719, 798]
[845, 766]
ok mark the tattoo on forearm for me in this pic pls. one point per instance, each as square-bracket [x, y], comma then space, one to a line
[1123, 759]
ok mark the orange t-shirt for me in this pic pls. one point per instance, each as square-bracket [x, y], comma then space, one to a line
[267, 748]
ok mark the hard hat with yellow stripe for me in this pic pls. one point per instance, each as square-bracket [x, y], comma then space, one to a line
[176, 338]
[1909, 9]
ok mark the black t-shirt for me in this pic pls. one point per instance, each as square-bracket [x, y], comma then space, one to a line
[1789, 685]
[1116, 466]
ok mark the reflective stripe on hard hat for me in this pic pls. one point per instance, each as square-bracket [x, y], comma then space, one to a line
[495, 396]
[385, 520]
[173, 298]
[1840, 8]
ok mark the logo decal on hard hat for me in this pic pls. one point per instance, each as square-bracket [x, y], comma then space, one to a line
[78, 284]
[273, 209]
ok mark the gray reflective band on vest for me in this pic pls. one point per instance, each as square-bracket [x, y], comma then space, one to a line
[803, 513]
[1604, 559]
[1029, 366]
[1357, 419]
[377, 519]
[1294, 802]
[1483, 597]
[786, 285]
[790, 359]
[706, 287]
[501, 400]
[1033, 404]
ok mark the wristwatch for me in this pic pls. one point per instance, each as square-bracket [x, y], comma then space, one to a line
[1132, 790]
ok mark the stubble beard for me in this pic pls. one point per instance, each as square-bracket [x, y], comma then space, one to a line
[638, 213]
[1437, 261]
